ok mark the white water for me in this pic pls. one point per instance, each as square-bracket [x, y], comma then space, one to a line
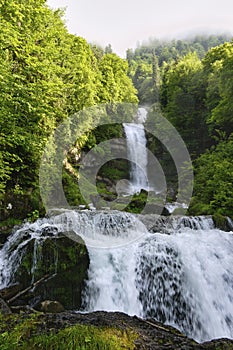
[137, 152]
[184, 279]
[174, 205]
[111, 283]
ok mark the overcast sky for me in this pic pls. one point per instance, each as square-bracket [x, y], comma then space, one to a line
[123, 23]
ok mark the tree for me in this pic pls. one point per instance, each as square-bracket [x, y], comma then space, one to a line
[46, 74]
[213, 189]
[184, 102]
[219, 64]
[116, 86]
[108, 49]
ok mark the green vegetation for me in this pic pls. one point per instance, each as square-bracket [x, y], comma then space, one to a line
[27, 333]
[149, 60]
[46, 75]
[193, 84]
[213, 190]
[197, 100]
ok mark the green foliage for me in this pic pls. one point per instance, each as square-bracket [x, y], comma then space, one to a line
[10, 223]
[219, 63]
[171, 50]
[46, 74]
[214, 181]
[71, 189]
[148, 59]
[137, 203]
[195, 95]
[24, 333]
[31, 217]
[184, 101]
[116, 86]
[146, 79]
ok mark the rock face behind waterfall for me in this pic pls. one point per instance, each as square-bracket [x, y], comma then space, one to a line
[63, 260]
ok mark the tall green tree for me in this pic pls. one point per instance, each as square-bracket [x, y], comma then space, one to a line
[46, 74]
[184, 101]
[213, 190]
[116, 86]
[218, 63]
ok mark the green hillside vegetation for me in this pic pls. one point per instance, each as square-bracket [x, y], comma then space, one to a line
[47, 74]
[194, 92]
[148, 57]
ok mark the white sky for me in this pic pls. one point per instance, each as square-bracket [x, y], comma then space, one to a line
[123, 23]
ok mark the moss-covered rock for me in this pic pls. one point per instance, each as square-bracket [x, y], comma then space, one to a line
[64, 261]
[222, 222]
[147, 202]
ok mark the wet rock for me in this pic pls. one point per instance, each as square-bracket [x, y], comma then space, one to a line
[155, 208]
[50, 306]
[219, 344]
[8, 292]
[156, 223]
[167, 224]
[224, 223]
[64, 260]
[4, 308]
[152, 335]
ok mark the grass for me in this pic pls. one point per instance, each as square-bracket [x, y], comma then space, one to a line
[10, 222]
[22, 333]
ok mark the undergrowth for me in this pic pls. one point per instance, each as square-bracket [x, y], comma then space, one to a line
[22, 333]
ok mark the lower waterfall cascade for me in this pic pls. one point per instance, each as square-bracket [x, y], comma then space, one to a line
[183, 279]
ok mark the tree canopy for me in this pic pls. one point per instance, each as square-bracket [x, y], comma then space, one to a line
[46, 74]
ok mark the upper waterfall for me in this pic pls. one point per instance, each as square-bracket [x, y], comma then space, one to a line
[137, 152]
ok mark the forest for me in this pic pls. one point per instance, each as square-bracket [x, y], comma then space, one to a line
[47, 74]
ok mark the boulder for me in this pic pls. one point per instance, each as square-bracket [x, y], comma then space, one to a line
[8, 292]
[224, 223]
[4, 308]
[50, 306]
[64, 260]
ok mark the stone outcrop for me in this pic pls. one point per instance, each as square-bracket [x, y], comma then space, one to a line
[63, 261]
[51, 306]
[4, 308]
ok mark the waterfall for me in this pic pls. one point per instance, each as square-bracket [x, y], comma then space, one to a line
[137, 152]
[111, 284]
[183, 278]
[186, 280]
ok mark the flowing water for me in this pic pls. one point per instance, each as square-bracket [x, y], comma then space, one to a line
[137, 152]
[183, 278]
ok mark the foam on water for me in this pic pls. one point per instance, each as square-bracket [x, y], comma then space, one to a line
[184, 278]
